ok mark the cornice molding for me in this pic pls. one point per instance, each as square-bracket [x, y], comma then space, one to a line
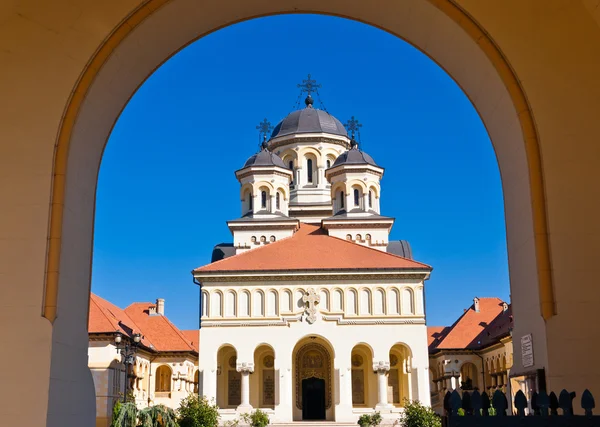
[242, 276]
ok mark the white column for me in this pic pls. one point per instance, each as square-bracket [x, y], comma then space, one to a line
[245, 369]
[382, 368]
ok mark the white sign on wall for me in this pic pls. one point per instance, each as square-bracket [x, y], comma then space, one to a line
[527, 350]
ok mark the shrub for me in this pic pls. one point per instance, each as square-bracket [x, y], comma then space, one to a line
[128, 415]
[370, 420]
[417, 415]
[196, 411]
[257, 418]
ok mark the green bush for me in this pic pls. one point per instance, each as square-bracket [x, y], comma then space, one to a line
[417, 415]
[128, 415]
[195, 411]
[257, 418]
[370, 420]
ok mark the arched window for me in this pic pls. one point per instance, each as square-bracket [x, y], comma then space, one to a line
[309, 170]
[244, 303]
[291, 166]
[272, 303]
[351, 306]
[328, 164]
[250, 201]
[341, 200]
[163, 379]
[205, 305]
[230, 309]
[259, 304]
[365, 302]
[263, 199]
[379, 301]
[277, 200]
[356, 197]
[370, 198]
[216, 303]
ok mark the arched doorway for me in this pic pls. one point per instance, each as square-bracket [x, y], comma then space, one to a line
[229, 393]
[364, 380]
[262, 381]
[400, 375]
[313, 386]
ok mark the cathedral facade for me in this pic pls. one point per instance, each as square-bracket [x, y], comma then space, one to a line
[312, 313]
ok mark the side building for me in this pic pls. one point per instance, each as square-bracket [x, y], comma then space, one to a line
[475, 353]
[164, 369]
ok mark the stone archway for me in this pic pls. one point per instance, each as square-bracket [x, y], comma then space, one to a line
[312, 367]
[75, 83]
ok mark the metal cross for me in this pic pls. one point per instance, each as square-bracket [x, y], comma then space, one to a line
[353, 126]
[311, 299]
[309, 85]
[264, 128]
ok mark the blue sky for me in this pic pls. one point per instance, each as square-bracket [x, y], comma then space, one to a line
[167, 183]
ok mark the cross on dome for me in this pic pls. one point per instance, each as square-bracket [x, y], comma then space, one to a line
[264, 128]
[309, 86]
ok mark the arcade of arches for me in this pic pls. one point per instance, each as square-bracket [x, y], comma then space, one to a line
[530, 68]
[314, 390]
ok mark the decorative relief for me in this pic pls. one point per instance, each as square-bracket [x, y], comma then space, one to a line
[313, 360]
[358, 386]
[245, 367]
[381, 367]
[268, 386]
[232, 361]
[393, 360]
[234, 390]
[268, 361]
[357, 360]
[311, 299]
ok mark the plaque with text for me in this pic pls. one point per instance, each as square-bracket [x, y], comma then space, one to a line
[268, 387]
[234, 389]
[358, 386]
[527, 350]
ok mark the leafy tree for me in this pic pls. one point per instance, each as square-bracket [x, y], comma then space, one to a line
[196, 411]
[417, 415]
[370, 420]
[115, 412]
[257, 418]
[128, 415]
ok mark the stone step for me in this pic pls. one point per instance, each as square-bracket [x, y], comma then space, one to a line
[314, 424]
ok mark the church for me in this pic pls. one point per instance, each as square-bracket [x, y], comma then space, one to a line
[312, 313]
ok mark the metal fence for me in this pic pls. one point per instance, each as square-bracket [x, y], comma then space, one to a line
[544, 410]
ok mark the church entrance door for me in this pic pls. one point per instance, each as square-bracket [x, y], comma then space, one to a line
[313, 399]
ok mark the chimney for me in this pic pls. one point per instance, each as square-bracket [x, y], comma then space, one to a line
[476, 304]
[160, 306]
[504, 306]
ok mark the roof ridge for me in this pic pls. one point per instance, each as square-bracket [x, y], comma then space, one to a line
[381, 252]
[254, 251]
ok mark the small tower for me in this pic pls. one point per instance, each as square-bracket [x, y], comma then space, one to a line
[355, 194]
[264, 194]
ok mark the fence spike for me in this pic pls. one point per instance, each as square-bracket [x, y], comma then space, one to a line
[553, 404]
[534, 403]
[520, 403]
[476, 403]
[543, 402]
[565, 402]
[447, 406]
[485, 404]
[587, 402]
[455, 402]
[466, 403]
[500, 403]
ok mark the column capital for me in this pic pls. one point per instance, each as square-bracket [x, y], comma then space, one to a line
[381, 367]
[245, 367]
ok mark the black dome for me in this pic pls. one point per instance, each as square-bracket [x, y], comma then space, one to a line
[309, 120]
[354, 157]
[265, 158]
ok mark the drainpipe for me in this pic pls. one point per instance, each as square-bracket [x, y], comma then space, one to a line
[482, 368]
[199, 317]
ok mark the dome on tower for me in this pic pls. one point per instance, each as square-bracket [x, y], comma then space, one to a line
[354, 157]
[265, 158]
[309, 120]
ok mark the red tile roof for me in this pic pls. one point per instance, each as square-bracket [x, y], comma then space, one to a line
[311, 248]
[468, 330]
[193, 336]
[158, 333]
[163, 335]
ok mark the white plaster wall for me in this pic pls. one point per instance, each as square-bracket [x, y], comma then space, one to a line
[379, 236]
[245, 335]
[242, 239]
